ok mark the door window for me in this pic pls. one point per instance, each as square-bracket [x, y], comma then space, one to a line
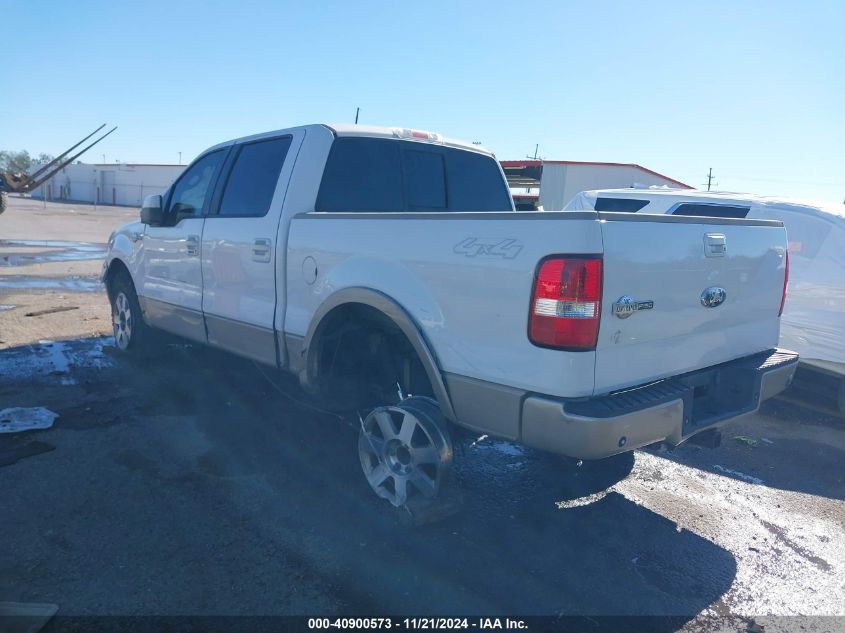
[192, 191]
[362, 174]
[253, 178]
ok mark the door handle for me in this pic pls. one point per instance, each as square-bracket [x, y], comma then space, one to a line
[261, 250]
[192, 244]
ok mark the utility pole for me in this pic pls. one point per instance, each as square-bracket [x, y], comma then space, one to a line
[535, 157]
[709, 178]
[536, 153]
[357, 111]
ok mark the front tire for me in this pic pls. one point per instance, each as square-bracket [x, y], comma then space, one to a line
[131, 334]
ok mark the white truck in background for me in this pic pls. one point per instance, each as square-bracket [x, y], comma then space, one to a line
[363, 259]
[813, 322]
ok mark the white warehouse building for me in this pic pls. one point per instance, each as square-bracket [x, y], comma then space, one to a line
[108, 183]
[553, 183]
[547, 183]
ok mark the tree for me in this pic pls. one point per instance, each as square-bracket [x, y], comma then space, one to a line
[15, 161]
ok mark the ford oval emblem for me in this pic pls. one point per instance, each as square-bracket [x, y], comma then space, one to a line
[713, 297]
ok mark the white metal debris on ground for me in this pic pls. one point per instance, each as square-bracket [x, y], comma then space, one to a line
[19, 419]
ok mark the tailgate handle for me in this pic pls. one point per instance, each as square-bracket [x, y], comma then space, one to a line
[715, 245]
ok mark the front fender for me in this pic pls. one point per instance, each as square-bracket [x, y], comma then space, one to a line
[124, 249]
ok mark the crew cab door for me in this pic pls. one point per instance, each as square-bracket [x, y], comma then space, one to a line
[171, 278]
[239, 250]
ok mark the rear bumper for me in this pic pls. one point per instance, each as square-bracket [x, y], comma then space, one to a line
[670, 411]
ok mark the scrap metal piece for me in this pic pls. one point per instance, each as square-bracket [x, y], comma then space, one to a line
[19, 419]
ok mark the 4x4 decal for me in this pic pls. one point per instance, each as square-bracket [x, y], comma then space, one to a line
[507, 248]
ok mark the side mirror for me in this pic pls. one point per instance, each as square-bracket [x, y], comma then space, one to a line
[151, 212]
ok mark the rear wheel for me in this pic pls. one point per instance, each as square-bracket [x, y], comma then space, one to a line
[406, 451]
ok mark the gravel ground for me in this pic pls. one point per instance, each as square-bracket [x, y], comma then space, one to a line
[188, 484]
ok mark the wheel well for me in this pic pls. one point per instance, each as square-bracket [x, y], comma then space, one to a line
[358, 355]
[116, 268]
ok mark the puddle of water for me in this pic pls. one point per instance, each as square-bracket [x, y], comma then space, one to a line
[95, 357]
[26, 259]
[56, 358]
[78, 284]
[5, 306]
[54, 354]
[79, 246]
[66, 252]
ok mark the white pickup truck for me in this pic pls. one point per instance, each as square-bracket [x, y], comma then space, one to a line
[375, 263]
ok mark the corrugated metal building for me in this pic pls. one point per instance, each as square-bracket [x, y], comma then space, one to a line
[109, 183]
[553, 183]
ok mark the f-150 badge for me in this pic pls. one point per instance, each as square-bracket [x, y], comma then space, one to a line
[625, 306]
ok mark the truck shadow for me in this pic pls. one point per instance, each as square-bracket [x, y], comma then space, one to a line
[524, 543]
[787, 448]
[513, 548]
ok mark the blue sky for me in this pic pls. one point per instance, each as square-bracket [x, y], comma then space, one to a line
[755, 90]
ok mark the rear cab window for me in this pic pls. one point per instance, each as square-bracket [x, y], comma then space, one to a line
[374, 174]
[424, 177]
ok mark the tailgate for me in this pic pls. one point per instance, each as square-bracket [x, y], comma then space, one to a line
[684, 293]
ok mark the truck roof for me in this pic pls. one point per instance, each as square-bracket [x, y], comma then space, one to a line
[372, 131]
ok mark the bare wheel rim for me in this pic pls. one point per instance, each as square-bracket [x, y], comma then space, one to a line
[404, 453]
[122, 320]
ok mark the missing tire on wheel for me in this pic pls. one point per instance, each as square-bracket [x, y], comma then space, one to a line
[405, 450]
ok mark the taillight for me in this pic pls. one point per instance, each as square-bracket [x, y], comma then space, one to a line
[785, 282]
[566, 303]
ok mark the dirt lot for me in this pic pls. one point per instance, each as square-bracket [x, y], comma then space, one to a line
[188, 484]
[51, 258]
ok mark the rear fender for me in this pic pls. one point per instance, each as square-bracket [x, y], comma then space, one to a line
[390, 308]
